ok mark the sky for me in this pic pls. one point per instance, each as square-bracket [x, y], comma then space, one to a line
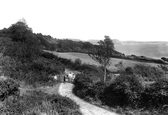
[138, 20]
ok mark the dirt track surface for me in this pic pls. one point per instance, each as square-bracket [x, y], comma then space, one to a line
[65, 90]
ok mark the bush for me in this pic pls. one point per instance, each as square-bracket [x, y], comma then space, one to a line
[127, 91]
[65, 102]
[35, 103]
[41, 69]
[124, 91]
[83, 86]
[148, 73]
[8, 87]
[82, 79]
[48, 55]
[37, 71]
[95, 73]
[78, 62]
[47, 65]
[98, 90]
[129, 71]
[156, 95]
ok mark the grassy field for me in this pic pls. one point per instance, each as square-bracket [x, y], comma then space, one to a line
[86, 59]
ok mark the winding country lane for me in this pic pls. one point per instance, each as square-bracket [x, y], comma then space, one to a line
[65, 90]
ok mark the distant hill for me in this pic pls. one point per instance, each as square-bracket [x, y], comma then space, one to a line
[115, 41]
[73, 39]
[149, 49]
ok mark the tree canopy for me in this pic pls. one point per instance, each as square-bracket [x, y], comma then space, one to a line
[103, 52]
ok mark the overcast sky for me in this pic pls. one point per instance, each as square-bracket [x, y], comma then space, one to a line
[139, 20]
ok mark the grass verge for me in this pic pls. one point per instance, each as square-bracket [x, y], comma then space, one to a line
[39, 102]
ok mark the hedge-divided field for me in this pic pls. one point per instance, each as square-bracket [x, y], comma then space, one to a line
[140, 89]
[88, 60]
[24, 60]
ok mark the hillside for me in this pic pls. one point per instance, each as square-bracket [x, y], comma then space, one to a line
[27, 82]
[141, 51]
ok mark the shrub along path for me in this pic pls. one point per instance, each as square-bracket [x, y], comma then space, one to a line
[65, 90]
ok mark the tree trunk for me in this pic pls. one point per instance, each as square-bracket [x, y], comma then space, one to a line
[104, 74]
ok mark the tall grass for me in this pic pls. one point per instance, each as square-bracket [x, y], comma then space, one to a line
[37, 102]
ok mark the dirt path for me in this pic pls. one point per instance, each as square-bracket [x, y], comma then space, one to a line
[65, 89]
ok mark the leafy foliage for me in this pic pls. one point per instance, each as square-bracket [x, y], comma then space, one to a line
[103, 53]
[98, 90]
[127, 93]
[120, 66]
[78, 62]
[148, 73]
[93, 72]
[87, 89]
[22, 55]
[8, 87]
[155, 95]
[36, 72]
[47, 65]
[18, 32]
[73, 46]
[82, 86]
[19, 42]
[36, 102]
[125, 90]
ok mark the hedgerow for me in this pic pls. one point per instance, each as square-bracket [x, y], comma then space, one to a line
[127, 91]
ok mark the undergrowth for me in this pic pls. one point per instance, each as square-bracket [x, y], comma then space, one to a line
[37, 102]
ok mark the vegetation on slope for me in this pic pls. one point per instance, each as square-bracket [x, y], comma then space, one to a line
[103, 53]
[139, 90]
[22, 60]
[22, 56]
[37, 102]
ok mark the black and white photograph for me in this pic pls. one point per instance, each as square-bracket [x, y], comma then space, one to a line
[83, 57]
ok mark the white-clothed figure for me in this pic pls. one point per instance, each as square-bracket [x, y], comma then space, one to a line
[71, 76]
[66, 78]
[56, 77]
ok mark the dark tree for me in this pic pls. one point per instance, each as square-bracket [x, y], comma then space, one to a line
[103, 53]
[18, 41]
[20, 31]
